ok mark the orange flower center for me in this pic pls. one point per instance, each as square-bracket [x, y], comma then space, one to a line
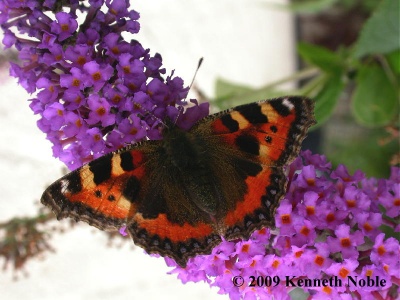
[101, 111]
[345, 242]
[81, 60]
[96, 76]
[305, 231]
[64, 27]
[76, 82]
[286, 219]
[276, 264]
[298, 254]
[319, 260]
[367, 226]
[245, 248]
[351, 203]
[330, 217]
[310, 181]
[343, 272]
[381, 250]
[310, 210]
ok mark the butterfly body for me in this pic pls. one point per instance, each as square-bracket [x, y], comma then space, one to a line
[178, 196]
[186, 157]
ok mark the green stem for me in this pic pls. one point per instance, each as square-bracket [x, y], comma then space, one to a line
[300, 75]
[40, 218]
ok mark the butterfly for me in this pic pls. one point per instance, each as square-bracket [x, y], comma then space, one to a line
[181, 195]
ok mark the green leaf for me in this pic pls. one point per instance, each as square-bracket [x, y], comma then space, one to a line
[229, 94]
[358, 149]
[298, 294]
[375, 101]
[309, 6]
[381, 32]
[321, 57]
[393, 59]
[226, 91]
[225, 88]
[326, 99]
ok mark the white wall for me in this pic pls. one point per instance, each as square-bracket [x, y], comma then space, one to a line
[248, 41]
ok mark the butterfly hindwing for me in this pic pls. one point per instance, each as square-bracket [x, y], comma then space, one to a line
[257, 207]
[167, 222]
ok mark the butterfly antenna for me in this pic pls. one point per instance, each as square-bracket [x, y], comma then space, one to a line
[190, 87]
[195, 73]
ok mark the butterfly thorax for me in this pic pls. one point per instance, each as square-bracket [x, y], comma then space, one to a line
[182, 149]
[186, 155]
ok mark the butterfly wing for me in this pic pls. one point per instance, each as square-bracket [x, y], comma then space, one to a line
[270, 131]
[102, 192]
[259, 140]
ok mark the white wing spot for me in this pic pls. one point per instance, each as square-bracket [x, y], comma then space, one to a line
[64, 186]
[287, 103]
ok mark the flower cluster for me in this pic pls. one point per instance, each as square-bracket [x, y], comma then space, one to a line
[94, 91]
[329, 225]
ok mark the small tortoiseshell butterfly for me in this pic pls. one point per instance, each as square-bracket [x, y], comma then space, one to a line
[178, 196]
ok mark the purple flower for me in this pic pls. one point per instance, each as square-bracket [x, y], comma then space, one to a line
[75, 125]
[9, 39]
[343, 270]
[248, 249]
[89, 83]
[344, 242]
[305, 234]
[78, 55]
[74, 99]
[98, 75]
[77, 79]
[122, 231]
[132, 129]
[115, 48]
[54, 113]
[368, 223]
[65, 26]
[391, 200]
[352, 199]
[99, 111]
[330, 216]
[386, 251]
[50, 91]
[94, 140]
[321, 233]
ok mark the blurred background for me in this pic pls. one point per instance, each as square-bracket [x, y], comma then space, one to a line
[342, 53]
